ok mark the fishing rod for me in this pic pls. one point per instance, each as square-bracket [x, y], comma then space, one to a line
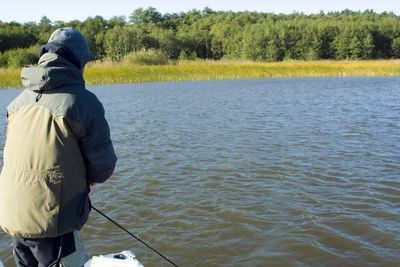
[137, 238]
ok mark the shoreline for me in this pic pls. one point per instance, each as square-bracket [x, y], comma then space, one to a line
[113, 73]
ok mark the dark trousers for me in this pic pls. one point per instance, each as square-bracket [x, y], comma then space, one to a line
[42, 252]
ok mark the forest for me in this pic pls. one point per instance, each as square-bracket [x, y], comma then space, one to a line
[216, 35]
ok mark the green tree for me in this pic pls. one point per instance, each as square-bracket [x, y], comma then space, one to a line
[254, 43]
[341, 44]
[45, 21]
[368, 47]
[45, 28]
[117, 21]
[274, 48]
[231, 35]
[119, 41]
[94, 30]
[168, 42]
[14, 36]
[355, 48]
[142, 16]
[396, 47]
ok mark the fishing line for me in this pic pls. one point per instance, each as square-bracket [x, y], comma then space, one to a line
[137, 238]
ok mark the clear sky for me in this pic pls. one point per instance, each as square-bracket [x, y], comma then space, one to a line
[67, 10]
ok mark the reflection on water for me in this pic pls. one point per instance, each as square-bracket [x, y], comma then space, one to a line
[265, 172]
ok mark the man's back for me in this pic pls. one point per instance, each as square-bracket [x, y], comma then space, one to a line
[58, 143]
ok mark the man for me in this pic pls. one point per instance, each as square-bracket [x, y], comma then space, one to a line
[58, 144]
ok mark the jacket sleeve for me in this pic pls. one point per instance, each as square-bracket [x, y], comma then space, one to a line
[96, 146]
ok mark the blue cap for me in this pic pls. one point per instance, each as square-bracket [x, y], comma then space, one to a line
[74, 41]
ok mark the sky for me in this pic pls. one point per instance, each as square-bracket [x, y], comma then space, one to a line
[67, 10]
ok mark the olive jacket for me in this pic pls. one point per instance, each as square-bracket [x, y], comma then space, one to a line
[57, 141]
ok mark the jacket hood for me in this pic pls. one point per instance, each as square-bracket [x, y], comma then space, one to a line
[52, 72]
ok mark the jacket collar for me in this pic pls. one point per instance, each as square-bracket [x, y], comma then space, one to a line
[53, 71]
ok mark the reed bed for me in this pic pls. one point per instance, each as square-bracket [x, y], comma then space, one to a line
[10, 77]
[109, 72]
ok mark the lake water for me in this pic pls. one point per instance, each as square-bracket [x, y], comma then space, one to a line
[263, 172]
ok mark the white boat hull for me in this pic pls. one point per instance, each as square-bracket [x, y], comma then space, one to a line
[123, 259]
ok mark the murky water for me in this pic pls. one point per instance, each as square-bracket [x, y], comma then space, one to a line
[264, 172]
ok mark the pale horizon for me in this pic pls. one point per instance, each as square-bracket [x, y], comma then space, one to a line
[32, 11]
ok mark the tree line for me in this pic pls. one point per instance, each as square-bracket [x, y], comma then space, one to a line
[209, 34]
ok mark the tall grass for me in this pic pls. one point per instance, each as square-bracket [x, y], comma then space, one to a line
[109, 72]
[149, 57]
[218, 70]
[10, 77]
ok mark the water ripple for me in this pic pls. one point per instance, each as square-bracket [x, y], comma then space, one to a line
[277, 172]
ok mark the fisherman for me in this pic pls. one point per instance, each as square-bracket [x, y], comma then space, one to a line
[58, 145]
